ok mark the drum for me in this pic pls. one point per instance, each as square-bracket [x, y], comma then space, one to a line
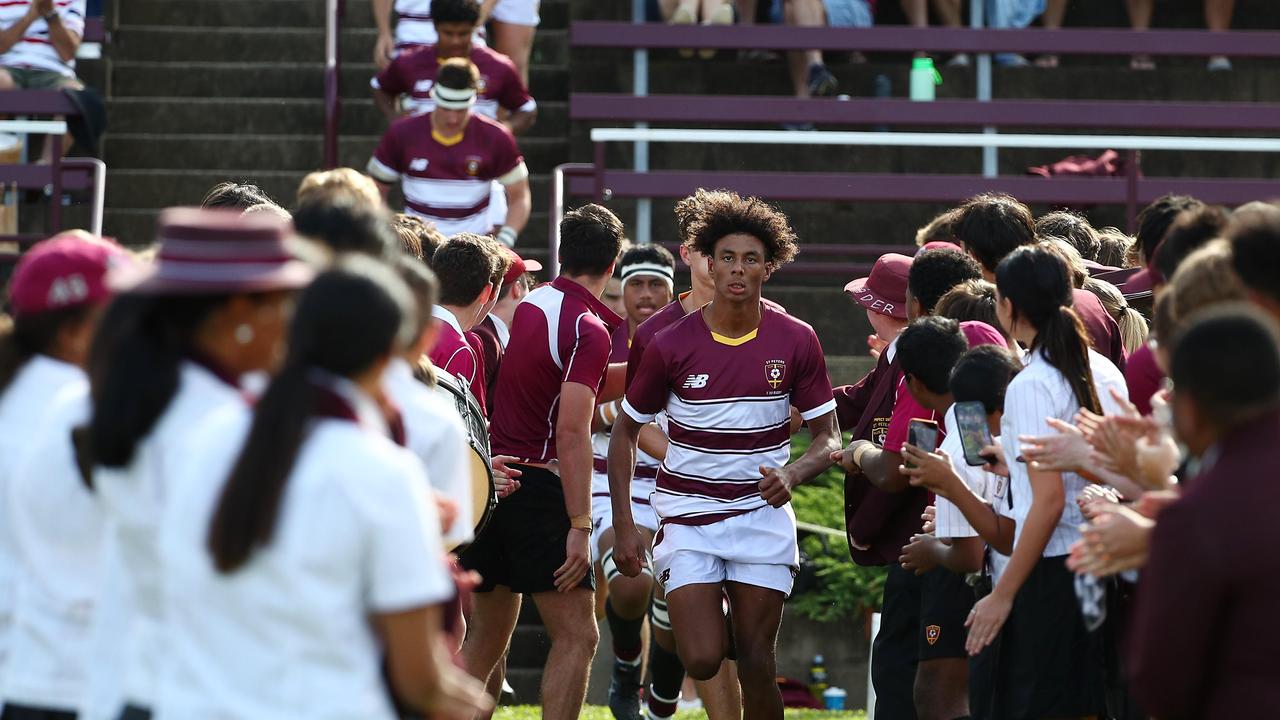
[484, 492]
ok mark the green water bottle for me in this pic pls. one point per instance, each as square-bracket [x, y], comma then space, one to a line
[924, 79]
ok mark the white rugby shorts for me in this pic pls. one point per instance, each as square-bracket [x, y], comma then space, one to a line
[602, 519]
[517, 12]
[757, 548]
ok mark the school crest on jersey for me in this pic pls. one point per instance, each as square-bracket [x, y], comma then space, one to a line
[473, 165]
[932, 633]
[775, 371]
[482, 85]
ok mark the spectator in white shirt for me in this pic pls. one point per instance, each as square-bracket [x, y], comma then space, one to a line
[38, 44]
[212, 308]
[307, 550]
[55, 295]
[1050, 665]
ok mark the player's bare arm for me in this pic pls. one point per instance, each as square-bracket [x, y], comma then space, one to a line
[386, 104]
[628, 546]
[385, 43]
[776, 483]
[520, 121]
[573, 448]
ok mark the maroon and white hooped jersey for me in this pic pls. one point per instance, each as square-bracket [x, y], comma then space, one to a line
[34, 50]
[728, 404]
[413, 74]
[415, 28]
[444, 181]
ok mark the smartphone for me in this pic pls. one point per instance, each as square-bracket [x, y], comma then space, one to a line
[923, 434]
[971, 417]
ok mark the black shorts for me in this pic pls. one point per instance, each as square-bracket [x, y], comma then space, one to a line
[523, 544]
[945, 602]
[894, 654]
[1049, 665]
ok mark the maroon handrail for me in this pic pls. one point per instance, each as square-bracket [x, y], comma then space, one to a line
[334, 11]
[1073, 41]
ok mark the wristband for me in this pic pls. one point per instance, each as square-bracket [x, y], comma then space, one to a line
[861, 450]
[580, 522]
[507, 235]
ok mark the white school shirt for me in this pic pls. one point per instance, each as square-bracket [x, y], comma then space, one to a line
[949, 522]
[58, 528]
[127, 644]
[435, 433]
[288, 635]
[24, 405]
[1039, 392]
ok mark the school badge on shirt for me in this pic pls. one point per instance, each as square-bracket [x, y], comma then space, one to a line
[473, 165]
[932, 633]
[774, 372]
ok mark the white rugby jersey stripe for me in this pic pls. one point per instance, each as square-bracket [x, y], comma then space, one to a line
[670, 505]
[734, 430]
[724, 464]
[728, 412]
[1038, 392]
[445, 193]
[484, 106]
[549, 300]
[478, 223]
[379, 171]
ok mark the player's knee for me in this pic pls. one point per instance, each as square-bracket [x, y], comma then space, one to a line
[756, 665]
[578, 638]
[630, 596]
[702, 666]
[6, 80]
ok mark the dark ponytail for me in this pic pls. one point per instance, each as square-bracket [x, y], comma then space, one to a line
[1036, 282]
[134, 368]
[347, 319]
[26, 336]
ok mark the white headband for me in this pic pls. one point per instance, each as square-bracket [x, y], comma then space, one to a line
[453, 98]
[651, 269]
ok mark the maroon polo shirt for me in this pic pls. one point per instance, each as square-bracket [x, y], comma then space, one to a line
[560, 333]
[455, 354]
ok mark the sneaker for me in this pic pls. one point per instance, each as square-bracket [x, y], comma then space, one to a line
[722, 15]
[959, 60]
[683, 16]
[624, 691]
[1219, 63]
[821, 82]
[1011, 60]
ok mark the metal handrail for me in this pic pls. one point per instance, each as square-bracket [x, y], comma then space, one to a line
[334, 11]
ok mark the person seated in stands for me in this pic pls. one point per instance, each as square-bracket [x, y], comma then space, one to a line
[446, 160]
[691, 12]
[502, 94]
[1217, 16]
[38, 44]
[809, 74]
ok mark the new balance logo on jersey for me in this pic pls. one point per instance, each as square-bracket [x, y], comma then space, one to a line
[423, 86]
[418, 164]
[693, 382]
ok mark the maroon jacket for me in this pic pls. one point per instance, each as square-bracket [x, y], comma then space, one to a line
[882, 521]
[1205, 631]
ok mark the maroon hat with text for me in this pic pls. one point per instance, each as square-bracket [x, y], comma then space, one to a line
[885, 290]
[67, 270]
[218, 251]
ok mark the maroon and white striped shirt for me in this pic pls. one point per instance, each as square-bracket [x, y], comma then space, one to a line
[448, 181]
[646, 472]
[560, 333]
[728, 404]
[413, 74]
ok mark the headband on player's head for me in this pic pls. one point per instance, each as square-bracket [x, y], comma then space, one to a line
[453, 98]
[651, 269]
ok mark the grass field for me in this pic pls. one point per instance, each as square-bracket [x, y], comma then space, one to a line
[596, 712]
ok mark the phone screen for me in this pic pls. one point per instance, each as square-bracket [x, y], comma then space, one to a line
[923, 434]
[971, 418]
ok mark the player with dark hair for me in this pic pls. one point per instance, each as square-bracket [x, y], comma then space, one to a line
[727, 377]
[538, 540]
[1073, 228]
[235, 195]
[446, 160]
[991, 226]
[465, 266]
[933, 274]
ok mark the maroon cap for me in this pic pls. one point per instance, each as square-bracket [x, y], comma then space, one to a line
[980, 333]
[519, 266]
[939, 245]
[218, 251]
[67, 270]
[885, 290]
